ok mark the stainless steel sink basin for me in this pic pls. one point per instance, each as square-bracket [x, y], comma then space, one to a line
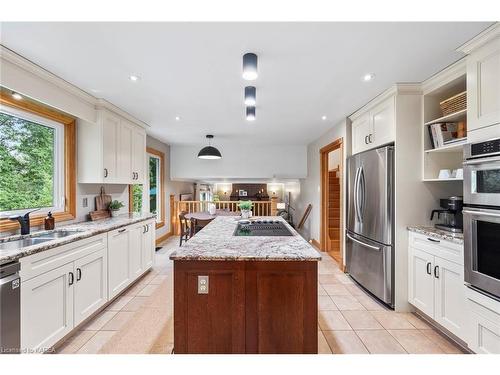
[35, 239]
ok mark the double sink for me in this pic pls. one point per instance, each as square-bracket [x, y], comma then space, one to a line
[36, 238]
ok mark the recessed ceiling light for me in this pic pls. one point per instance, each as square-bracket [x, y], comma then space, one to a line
[250, 113]
[368, 77]
[250, 96]
[16, 96]
[134, 78]
[250, 66]
[323, 117]
[177, 118]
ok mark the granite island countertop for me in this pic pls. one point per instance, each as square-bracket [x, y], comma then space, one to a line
[216, 242]
[439, 234]
[82, 230]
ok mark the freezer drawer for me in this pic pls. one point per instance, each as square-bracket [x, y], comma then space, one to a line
[371, 264]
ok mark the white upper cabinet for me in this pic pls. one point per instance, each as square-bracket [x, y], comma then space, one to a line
[111, 151]
[483, 86]
[375, 127]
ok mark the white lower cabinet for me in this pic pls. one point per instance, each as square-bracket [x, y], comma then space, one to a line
[46, 308]
[63, 286]
[436, 285]
[484, 323]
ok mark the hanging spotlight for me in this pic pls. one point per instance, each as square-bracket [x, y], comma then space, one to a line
[250, 66]
[250, 113]
[250, 95]
[209, 152]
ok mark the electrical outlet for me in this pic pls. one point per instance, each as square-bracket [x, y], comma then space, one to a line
[202, 284]
[85, 202]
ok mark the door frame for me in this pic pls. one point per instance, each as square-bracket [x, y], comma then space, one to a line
[338, 144]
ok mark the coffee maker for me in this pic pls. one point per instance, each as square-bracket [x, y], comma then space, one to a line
[451, 209]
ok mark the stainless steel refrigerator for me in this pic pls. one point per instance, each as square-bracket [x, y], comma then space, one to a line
[370, 221]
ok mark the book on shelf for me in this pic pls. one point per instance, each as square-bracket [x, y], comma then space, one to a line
[445, 133]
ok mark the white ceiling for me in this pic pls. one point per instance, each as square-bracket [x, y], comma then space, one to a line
[193, 70]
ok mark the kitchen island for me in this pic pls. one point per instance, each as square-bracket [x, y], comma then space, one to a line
[245, 294]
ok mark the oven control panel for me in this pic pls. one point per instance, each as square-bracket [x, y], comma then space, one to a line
[483, 148]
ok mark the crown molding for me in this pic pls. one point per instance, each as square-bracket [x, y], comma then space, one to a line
[482, 38]
[396, 89]
[31, 67]
[444, 76]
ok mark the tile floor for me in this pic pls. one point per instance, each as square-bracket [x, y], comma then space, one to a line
[350, 321]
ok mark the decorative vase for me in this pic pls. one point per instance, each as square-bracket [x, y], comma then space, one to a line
[245, 214]
[114, 213]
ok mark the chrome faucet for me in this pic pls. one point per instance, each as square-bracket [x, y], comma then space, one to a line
[24, 221]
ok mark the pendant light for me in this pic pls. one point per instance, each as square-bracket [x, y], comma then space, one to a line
[250, 66]
[251, 113]
[250, 95]
[209, 152]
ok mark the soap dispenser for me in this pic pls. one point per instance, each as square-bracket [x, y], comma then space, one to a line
[49, 222]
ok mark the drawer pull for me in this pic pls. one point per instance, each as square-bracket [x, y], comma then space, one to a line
[122, 230]
[433, 240]
[429, 268]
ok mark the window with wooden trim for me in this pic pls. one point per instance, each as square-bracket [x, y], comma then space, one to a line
[37, 161]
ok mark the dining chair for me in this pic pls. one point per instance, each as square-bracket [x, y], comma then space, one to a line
[185, 227]
[198, 224]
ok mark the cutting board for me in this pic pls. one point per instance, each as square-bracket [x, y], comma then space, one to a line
[98, 215]
[102, 201]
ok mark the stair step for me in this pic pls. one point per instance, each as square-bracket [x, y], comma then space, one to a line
[334, 234]
[334, 212]
[333, 223]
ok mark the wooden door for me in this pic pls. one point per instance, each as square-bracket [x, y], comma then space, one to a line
[449, 291]
[91, 284]
[281, 307]
[110, 131]
[483, 86]
[47, 308]
[361, 129]
[118, 261]
[421, 281]
[383, 124]
[212, 322]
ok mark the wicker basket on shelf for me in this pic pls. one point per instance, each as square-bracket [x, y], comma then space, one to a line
[454, 104]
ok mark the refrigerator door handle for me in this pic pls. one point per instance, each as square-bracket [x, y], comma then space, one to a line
[362, 243]
[361, 184]
[356, 200]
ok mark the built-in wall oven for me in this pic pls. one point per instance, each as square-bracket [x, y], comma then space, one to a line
[481, 216]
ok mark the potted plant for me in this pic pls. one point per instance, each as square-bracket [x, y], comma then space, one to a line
[114, 207]
[245, 208]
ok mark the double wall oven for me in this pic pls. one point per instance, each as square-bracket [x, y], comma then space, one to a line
[482, 216]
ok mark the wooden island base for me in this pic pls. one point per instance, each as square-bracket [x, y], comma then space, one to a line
[251, 307]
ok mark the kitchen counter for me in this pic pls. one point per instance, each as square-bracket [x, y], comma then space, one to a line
[82, 230]
[439, 234]
[216, 242]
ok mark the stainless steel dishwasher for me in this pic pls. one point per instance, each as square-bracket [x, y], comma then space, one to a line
[10, 308]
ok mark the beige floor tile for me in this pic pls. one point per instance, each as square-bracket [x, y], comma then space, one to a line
[343, 278]
[99, 321]
[321, 291]
[323, 347]
[134, 304]
[380, 342]
[328, 279]
[118, 321]
[443, 342]
[147, 291]
[326, 303]
[96, 342]
[330, 320]
[158, 279]
[75, 342]
[134, 289]
[370, 303]
[119, 303]
[415, 342]
[355, 290]
[392, 320]
[336, 290]
[417, 322]
[361, 320]
[347, 303]
[344, 342]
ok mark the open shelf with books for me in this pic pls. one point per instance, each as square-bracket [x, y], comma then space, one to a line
[444, 130]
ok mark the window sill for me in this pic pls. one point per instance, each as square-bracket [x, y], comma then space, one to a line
[9, 225]
[160, 224]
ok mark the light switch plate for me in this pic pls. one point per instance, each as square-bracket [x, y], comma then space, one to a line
[202, 284]
[85, 202]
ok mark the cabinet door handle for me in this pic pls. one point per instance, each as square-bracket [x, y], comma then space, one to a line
[122, 230]
[429, 268]
[78, 274]
[366, 139]
[105, 172]
[71, 278]
[370, 138]
[436, 272]
[136, 175]
[433, 240]
[143, 229]
[147, 228]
